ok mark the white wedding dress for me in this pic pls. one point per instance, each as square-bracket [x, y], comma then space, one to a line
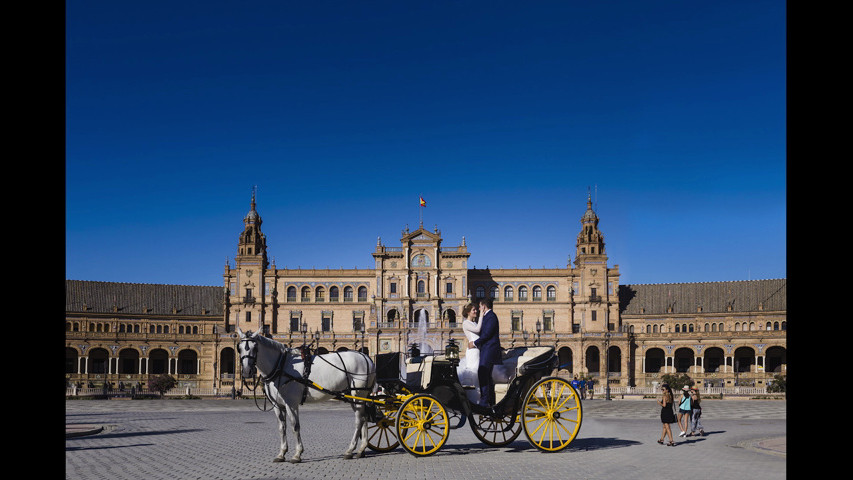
[468, 365]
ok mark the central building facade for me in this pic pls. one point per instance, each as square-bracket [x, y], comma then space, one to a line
[422, 282]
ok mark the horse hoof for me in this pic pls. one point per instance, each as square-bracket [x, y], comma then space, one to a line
[278, 459]
[347, 456]
[295, 460]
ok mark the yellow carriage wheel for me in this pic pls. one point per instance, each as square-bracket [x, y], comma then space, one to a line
[382, 436]
[422, 425]
[551, 414]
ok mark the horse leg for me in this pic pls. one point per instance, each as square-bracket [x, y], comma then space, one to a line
[293, 416]
[359, 438]
[282, 430]
[363, 414]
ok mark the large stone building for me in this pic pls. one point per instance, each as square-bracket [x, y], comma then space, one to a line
[719, 333]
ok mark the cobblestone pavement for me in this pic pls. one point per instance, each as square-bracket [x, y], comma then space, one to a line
[232, 439]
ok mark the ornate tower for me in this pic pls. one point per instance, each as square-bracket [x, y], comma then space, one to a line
[590, 244]
[253, 243]
[246, 280]
[595, 285]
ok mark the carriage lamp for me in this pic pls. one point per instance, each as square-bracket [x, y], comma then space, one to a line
[451, 351]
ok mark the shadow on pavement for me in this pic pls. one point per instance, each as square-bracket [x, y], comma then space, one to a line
[598, 443]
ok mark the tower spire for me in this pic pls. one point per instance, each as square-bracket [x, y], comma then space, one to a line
[590, 239]
[252, 240]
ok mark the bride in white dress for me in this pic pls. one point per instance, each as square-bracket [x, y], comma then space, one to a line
[467, 369]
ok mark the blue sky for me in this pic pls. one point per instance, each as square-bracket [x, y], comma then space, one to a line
[502, 115]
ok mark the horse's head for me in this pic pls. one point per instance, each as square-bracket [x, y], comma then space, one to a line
[247, 346]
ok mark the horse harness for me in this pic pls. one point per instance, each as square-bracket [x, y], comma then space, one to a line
[307, 360]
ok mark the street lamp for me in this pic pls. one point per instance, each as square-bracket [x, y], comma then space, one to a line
[538, 334]
[237, 366]
[362, 336]
[304, 332]
[607, 365]
[524, 336]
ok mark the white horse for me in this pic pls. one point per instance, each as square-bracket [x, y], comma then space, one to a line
[282, 368]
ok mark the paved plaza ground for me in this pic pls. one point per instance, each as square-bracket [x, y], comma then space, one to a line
[232, 439]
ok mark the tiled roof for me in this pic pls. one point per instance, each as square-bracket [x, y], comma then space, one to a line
[142, 298]
[712, 297]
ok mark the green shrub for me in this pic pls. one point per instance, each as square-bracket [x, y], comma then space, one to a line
[778, 384]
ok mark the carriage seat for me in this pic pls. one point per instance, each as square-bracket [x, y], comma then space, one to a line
[515, 358]
[419, 369]
[513, 361]
[529, 354]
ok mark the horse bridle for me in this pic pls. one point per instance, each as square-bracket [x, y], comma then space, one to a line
[251, 354]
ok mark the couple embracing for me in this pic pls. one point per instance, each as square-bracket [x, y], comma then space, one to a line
[484, 347]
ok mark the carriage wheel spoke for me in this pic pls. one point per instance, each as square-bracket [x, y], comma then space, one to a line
[552, 415]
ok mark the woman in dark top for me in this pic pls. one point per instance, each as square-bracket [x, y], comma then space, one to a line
[667, 416]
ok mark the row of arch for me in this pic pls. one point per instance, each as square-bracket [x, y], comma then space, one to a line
[419, 314]
[133, 328]
[715, 327]
[655, 360]
[130, 361]
[508, 291]
[320, 293]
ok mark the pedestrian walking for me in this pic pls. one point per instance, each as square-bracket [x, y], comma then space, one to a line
[684, 412]
[667, 416]
[576, 384]
[696, 405]
[583, 388]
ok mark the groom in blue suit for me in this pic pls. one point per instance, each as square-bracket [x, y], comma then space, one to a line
[490, 352]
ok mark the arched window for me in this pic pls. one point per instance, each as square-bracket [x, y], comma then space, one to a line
[333, 294]
[481, 292]
[508, 293]
[522, 293]
[291, 293]
[537, 293]
[362, 294]
[551, 292]
[347, 293]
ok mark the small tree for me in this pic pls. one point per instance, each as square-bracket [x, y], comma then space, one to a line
[778, 384]
[162, 383]
[677, 381]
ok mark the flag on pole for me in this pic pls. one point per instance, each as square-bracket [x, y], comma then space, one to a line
[423, 202]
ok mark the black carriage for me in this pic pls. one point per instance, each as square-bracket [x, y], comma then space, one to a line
[421, 399]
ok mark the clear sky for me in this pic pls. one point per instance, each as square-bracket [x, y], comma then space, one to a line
[501, 114]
